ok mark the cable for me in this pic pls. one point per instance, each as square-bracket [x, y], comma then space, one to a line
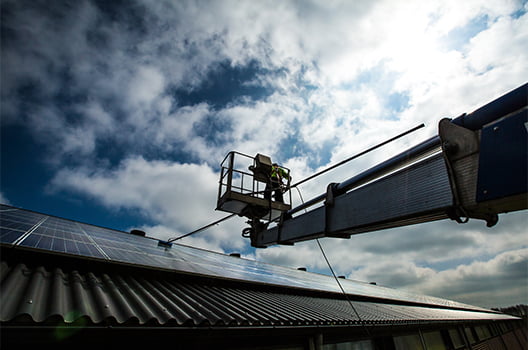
[336, 278]
[343, 290]
[302, 199]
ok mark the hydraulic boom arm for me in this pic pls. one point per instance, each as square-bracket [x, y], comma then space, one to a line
[476, 167]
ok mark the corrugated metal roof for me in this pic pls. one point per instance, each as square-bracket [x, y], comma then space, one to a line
[22, 230]
[35, 294]
[45, 278]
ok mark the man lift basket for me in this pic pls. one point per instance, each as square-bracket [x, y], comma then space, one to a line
[244, 186]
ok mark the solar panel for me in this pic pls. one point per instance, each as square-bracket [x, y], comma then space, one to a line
[20, 228]
[15, 223]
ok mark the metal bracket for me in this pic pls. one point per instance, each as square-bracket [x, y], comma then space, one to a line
[331, 193]
[257, 226]
[460, 146]
[457, 142]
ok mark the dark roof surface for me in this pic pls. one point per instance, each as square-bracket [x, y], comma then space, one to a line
[38, 295]
[48, 274]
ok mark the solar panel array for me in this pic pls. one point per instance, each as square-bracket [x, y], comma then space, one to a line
[30, 230]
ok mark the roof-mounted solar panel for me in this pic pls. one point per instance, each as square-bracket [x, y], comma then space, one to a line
[20, 229]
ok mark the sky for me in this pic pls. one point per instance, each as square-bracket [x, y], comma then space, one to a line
[119, 113]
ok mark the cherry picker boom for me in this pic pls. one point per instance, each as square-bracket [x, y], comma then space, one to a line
[476, 167]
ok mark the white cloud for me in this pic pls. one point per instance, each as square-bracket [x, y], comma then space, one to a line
[179, 195]
[483, 56]
[146, 85]
[496, 281]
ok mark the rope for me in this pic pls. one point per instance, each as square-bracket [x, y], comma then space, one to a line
[201, 228]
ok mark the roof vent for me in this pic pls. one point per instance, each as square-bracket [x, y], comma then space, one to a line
[138, 233]
[301, 268]
[236, 255]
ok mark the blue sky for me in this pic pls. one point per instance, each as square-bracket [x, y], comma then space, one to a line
[119, 114]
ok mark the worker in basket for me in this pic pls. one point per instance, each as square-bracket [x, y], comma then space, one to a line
[275, 184]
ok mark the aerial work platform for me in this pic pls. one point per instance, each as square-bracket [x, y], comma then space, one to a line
[475, 168]
[244, 182]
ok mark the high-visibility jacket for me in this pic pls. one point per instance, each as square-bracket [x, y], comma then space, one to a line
[278, 173]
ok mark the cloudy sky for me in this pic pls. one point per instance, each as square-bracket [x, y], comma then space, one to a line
[118, 113]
